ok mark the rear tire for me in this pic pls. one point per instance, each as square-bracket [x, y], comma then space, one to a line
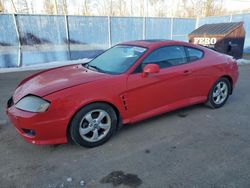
[219, 93]
[93, 125]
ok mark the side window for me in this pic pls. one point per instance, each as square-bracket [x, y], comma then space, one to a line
[167, 56]
[193, 54]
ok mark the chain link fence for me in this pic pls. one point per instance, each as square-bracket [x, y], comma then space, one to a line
[35, 39]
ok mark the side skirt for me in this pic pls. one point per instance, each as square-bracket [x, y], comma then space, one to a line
[167, 108]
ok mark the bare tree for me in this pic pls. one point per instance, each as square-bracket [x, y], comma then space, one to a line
[23, 6]
[104, 8]
[142, 8]
[159, 8]
[112, 9]
[197, 8]
[213, 7]
[208, 7]
[32, 7]
[119, 8]
[48, 7]
[55, 7]
[13, 6]
[131, 8]
[61, 7]
[186, 8]
[85, 8]
[65, 7]
[1, 6]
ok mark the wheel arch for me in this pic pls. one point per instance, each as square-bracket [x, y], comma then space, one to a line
[119, 118]
[229, 78]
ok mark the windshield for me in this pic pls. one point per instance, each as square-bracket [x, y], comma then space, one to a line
[117, 60]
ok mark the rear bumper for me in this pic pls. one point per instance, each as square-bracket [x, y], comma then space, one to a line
[235, 76]
[37, 128]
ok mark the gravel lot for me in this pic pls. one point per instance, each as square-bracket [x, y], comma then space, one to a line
[192, 147]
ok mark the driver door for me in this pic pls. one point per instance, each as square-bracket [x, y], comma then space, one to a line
[154, 92]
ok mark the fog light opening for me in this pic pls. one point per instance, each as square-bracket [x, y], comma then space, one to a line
[29, 132]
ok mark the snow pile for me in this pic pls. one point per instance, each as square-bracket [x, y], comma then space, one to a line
[243, 61]
[44, 65]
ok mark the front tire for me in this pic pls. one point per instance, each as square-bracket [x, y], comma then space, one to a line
[93, 125]
[219, 93]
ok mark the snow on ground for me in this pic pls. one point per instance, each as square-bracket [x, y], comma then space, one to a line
[44, 65]
[243, 61]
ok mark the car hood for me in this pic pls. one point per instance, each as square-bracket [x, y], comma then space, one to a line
[49, 81]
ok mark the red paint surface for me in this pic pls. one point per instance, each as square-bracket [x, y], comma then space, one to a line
[69, 88]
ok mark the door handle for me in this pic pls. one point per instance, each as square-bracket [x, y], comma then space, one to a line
[187, 72]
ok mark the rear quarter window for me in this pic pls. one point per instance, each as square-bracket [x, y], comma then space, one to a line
[194, 54]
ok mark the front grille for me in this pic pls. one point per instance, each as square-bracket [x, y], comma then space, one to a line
[10, 102]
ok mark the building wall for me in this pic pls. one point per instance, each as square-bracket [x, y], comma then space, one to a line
[245, 18]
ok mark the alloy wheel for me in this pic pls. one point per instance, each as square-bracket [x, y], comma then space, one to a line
[95, 125]
[220, 93]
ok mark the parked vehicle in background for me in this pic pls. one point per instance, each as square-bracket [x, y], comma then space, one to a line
[129, 82]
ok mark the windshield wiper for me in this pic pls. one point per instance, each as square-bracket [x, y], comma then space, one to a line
[88, 66]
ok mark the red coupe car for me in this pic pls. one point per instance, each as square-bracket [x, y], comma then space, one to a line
[127, 83]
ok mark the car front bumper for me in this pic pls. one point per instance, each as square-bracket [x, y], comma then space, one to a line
[38, 128]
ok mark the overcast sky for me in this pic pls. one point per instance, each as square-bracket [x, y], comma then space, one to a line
[237, 4]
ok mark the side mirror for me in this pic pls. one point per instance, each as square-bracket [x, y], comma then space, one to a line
[150, 69]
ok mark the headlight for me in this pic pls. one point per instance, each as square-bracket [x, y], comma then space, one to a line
[32, 104]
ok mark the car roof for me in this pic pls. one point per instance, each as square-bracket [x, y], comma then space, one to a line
[156, 43]
[151, 43]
